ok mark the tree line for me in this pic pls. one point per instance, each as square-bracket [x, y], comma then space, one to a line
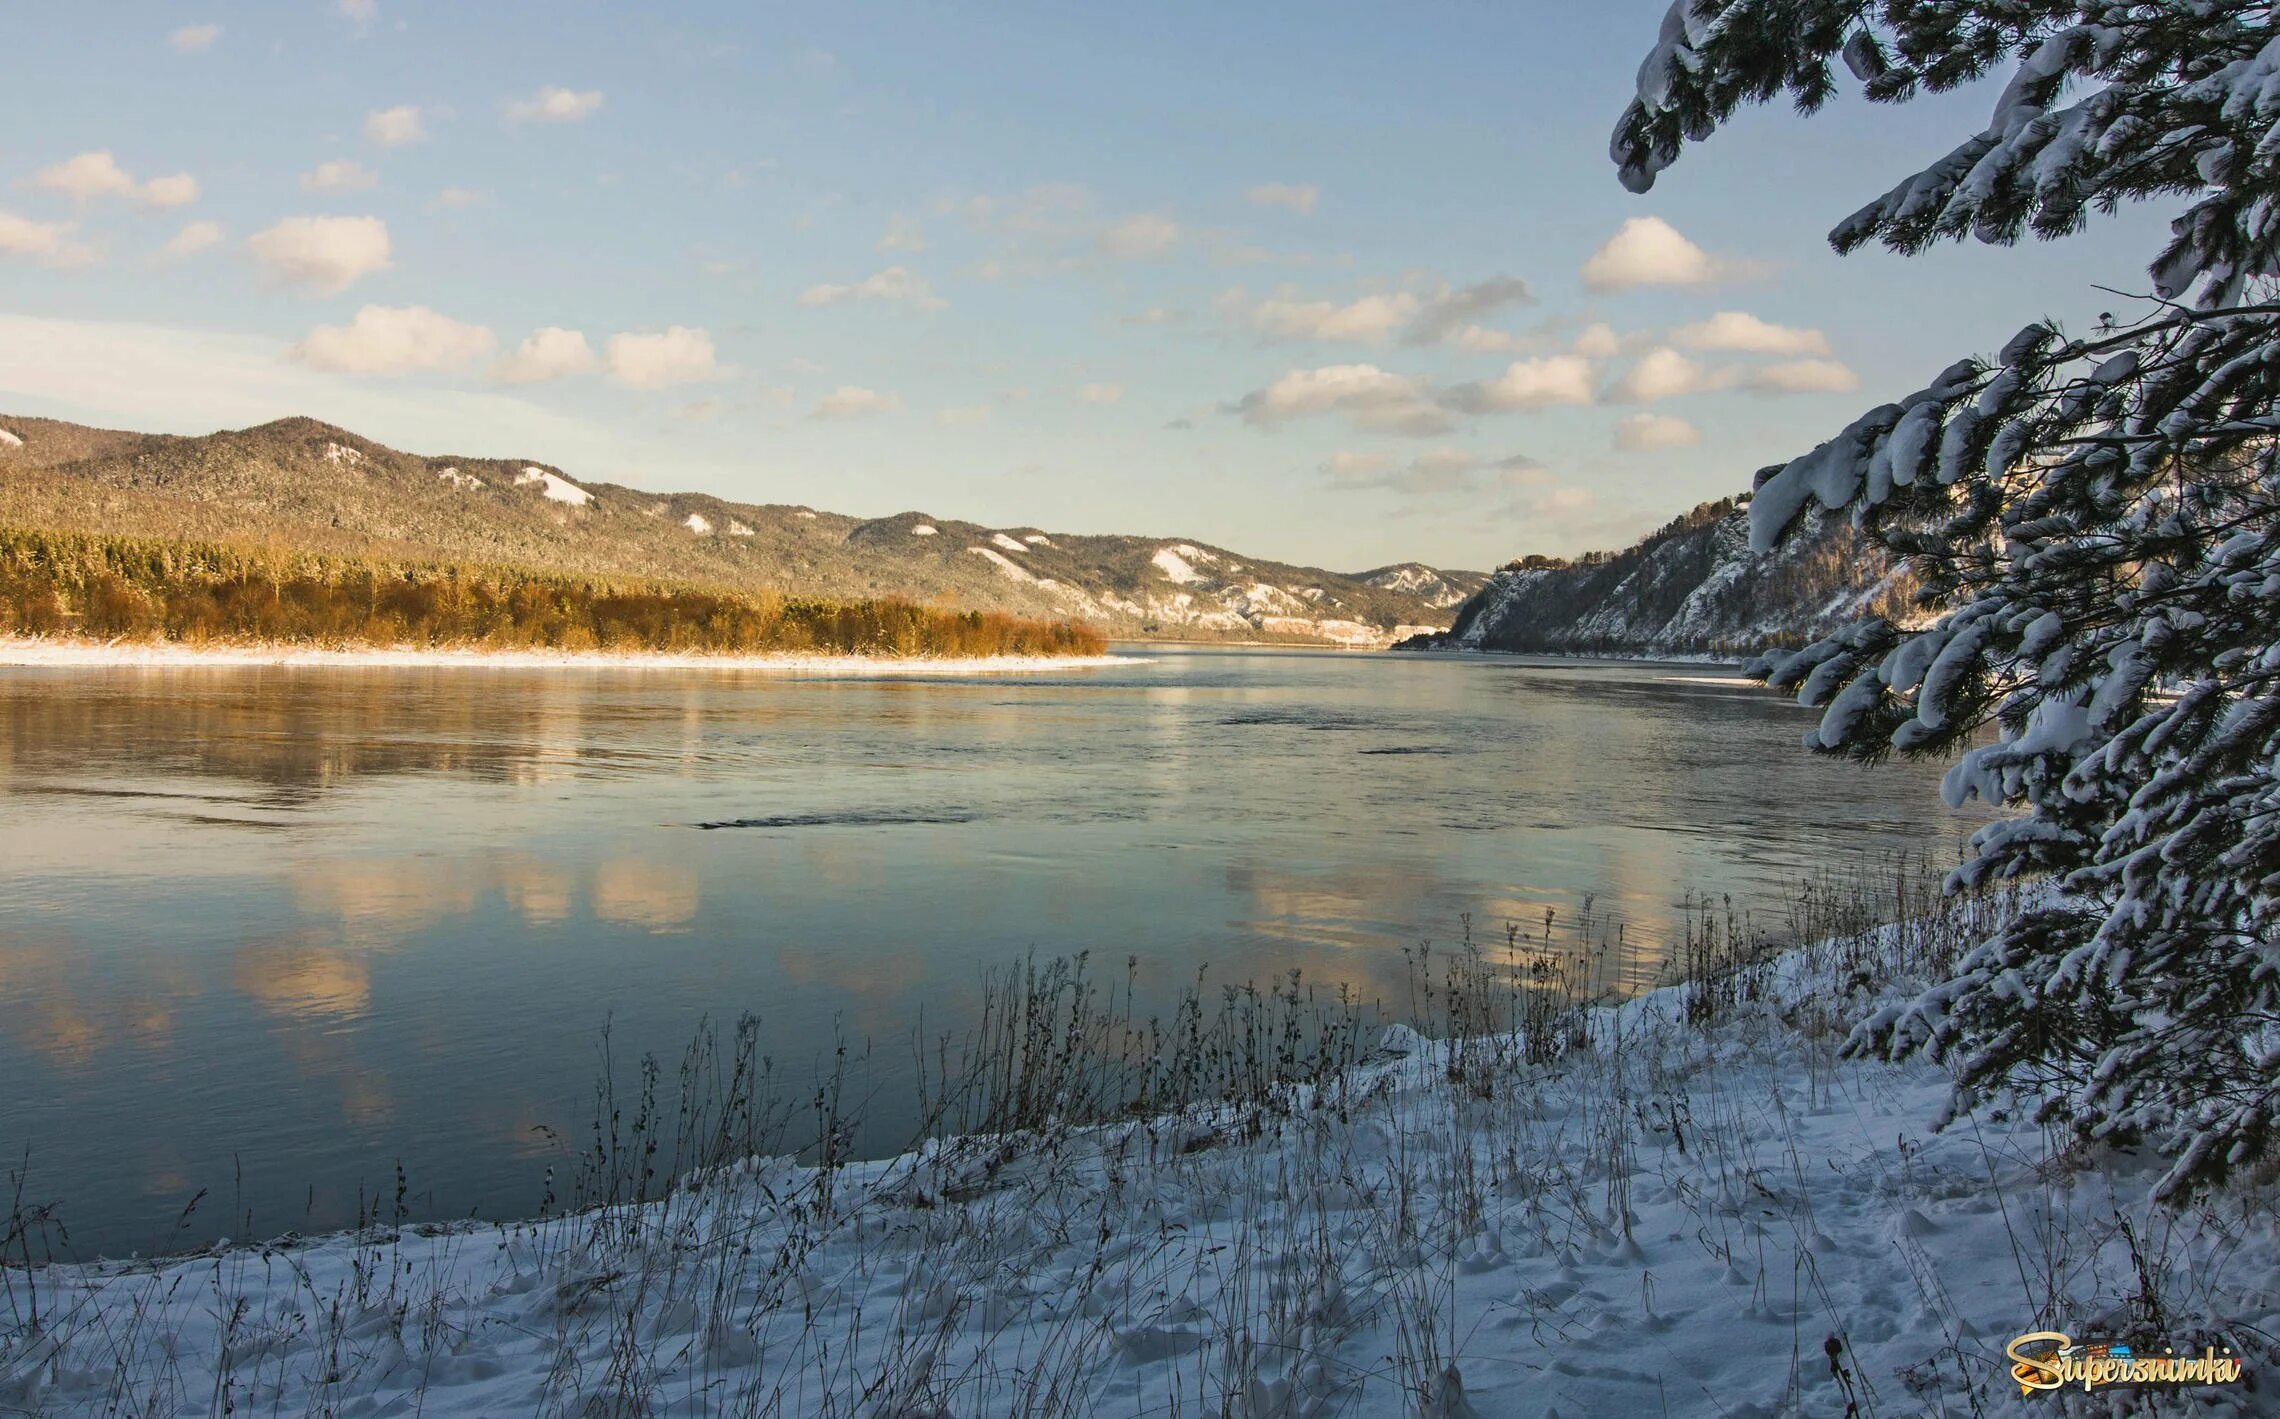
[111, 588]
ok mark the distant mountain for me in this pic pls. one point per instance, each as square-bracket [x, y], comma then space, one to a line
[301, 483]
[1692, 588]
[1438, 587]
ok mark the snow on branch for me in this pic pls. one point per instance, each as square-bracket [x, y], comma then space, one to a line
[2094, 522]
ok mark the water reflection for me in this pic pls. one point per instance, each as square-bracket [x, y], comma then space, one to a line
[71, 1022]
[534, 890]
[654, 896]
[294, 927]
[293, 978]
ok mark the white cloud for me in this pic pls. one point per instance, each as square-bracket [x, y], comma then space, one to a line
[1444, 470]
[902, 234]
[1369, 397]
[1373, 398]
[455, 197]
[1664, 373]
[192, 239]
[1295, 196]
[1740, 331]
[1481, 340]
[898, 285]
[1440, 471]
[853, 401]
[394, 127]
[1371, 318]
[1429, 318]
[49, 243]
[338, 175]
[1140, 235]
[1647, 433]
[1100, 394]
[678, 355]
[1539, 383]
[969, 416]
[394, 340]
[86, 176]
[91, 175]
[1453, 308]
[548, 353]
[363, 12]
[1802, 377]
[325, 254]
[555, 105]
[179, 190]
[1648, 251]
[1598, 342]
[194, 39]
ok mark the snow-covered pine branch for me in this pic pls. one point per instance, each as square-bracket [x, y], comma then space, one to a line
[2095, 522]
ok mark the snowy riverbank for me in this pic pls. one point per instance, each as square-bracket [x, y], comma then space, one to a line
[42, 653]
[1681, 1212]
[1621, 657]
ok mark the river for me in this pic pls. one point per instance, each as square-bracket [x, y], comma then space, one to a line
[271, 932]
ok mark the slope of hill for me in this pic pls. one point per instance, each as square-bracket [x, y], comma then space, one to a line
[1692, 588]
[1437, 586]
[305, 484]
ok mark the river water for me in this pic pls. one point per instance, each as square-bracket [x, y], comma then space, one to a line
[271, 933]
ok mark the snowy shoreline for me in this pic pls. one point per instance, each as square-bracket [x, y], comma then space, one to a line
[1682, 1212]
[24, 652]
[1627, 657]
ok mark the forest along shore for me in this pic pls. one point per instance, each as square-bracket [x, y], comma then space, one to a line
[108, 590]
[1692, 1200]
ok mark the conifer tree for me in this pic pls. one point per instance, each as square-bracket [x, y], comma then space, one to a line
[2093, 519]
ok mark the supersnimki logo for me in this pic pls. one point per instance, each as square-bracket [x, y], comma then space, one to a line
[2050, 1359]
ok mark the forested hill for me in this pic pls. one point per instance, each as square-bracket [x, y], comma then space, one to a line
[1692, 588]
[301, 485]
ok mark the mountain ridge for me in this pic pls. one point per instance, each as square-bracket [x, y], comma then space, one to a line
[305, 482]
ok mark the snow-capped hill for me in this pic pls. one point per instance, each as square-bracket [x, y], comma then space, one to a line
[1693, 588]
[554, 487]
[1176, 564]
[1433, 585]
[1147, 587]
[300, 482]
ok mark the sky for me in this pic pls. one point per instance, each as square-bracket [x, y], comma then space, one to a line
[1337, 283]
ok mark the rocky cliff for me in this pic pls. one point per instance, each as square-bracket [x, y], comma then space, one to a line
[1692, 588]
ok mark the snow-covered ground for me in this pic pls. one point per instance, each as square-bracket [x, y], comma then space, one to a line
[554, 487]
[1672, 657]
[40, 652]
[1674, 1215]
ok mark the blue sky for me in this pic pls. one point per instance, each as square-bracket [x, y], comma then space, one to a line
[1338, 283]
